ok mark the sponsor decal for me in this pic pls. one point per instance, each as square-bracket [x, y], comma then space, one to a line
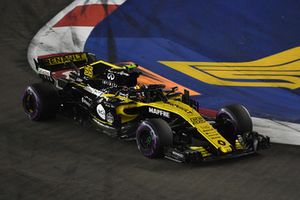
[110, 118]
[44, 72]
[67, 58]
[101, 111]
[109, 83]
[159, 112]
[93, 90]
[197, 120]
[181, 108]
[221, 142]
[110, 76]
[86, 101]
[122, 73]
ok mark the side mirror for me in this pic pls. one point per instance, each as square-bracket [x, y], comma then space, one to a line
[171, 91]
[174, 89]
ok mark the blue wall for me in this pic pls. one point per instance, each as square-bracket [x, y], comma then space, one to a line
[148, 31]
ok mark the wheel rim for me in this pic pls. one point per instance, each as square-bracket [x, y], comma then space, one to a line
[30, 103]
[146, 140]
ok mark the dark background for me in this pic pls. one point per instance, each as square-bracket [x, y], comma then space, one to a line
[61, 159]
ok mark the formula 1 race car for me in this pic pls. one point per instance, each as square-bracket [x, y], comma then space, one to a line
[164, 122]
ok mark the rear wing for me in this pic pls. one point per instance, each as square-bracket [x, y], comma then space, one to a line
[64, 61]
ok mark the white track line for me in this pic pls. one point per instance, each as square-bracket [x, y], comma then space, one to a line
[278, 131]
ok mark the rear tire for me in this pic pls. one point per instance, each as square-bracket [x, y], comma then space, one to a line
[235, 120]
[152, 136]
[40, 101]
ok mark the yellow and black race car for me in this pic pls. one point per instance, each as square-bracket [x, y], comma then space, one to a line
[163, 121]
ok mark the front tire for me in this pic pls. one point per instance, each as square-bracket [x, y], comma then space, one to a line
[152, 136]
[40, 101]
[234, 120]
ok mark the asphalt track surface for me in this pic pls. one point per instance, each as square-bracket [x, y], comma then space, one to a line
[61, 159]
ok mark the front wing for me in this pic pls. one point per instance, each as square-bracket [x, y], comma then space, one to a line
[194, 154]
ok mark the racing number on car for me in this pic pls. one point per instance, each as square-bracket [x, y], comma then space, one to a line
[88, 71]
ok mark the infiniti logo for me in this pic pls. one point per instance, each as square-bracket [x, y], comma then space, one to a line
[110, 76]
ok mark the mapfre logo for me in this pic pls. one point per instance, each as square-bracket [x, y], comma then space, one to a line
[159, 112]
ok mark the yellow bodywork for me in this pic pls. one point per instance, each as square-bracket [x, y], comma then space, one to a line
[183, 110]
[172, 106]
[202, 150]
[195, 120]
